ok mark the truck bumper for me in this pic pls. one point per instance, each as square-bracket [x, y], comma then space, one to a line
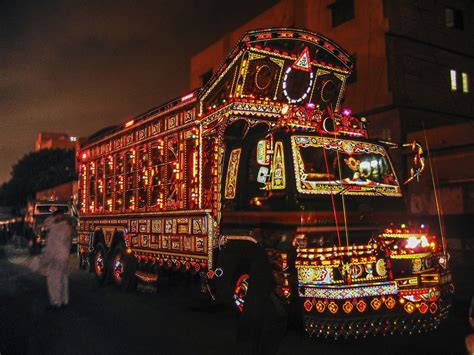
[355, 312]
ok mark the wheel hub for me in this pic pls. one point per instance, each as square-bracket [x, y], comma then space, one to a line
[241, 289]
[118, 268]
[99, 265]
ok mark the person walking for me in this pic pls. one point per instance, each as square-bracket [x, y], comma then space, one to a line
[60, 229]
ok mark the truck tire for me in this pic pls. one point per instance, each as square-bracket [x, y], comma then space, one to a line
[246, 275]
[122, 268]
[247, 282]
[99, 263]
[84, 262]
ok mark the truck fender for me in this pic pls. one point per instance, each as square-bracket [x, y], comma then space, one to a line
[118, 237]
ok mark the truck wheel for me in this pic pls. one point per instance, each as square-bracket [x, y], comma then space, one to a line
[85, 262]
[246, 276]
[100, 264]
[240, 292]
[122, 268]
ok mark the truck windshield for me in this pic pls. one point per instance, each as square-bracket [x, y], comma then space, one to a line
[326, 165]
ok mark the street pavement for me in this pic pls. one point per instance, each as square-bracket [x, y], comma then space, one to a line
[174, 320]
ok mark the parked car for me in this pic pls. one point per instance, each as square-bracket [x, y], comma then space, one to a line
[37, 212]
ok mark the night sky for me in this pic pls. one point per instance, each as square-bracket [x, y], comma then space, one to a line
[79, 66]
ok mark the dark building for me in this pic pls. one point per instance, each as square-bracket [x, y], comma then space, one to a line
[50, 140]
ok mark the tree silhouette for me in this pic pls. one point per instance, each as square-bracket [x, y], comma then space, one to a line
[37, 171]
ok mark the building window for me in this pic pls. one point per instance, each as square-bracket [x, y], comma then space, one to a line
[206, 77]
[454, 18]
[341, 11]
[454, 83]
[465, 83]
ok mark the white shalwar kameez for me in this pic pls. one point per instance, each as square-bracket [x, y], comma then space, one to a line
[56, 258]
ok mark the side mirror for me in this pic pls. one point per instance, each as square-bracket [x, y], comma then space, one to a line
[262, 176]
[418, 161]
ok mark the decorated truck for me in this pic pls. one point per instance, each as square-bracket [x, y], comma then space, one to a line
[262, 184]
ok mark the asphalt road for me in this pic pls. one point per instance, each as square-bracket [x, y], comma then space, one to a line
[103, 320]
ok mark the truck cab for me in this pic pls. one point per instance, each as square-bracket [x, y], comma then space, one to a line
[301, 178]
[336, 201]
